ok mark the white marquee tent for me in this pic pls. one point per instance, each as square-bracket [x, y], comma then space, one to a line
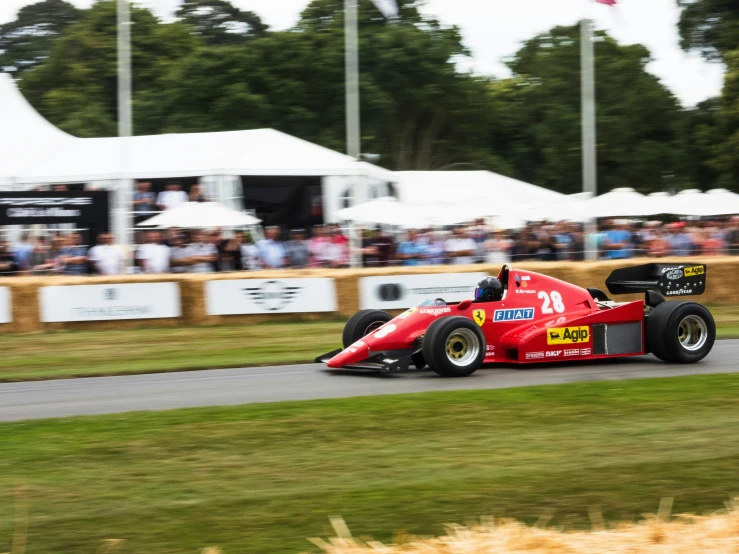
[33, 151]
[482, 192]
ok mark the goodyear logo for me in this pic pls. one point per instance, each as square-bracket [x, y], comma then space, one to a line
[568, 335]
[514, 315]
[695, 270]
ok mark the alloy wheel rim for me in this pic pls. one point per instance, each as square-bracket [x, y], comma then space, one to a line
[462, 347]
[692, 332]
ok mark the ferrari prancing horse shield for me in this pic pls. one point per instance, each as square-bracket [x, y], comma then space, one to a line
[478, 316]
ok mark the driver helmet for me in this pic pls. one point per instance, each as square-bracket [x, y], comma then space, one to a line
[489, 289]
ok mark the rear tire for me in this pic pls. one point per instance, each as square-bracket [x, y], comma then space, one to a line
[454, 347]
[362, 324]
[680, 332]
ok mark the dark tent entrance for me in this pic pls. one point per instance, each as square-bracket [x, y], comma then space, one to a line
[291, 202]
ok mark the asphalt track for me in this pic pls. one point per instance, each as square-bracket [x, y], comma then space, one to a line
[227, 387]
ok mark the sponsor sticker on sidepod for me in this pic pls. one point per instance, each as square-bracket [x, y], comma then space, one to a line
[435, 311]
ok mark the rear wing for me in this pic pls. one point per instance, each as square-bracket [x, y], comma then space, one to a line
[669, 279]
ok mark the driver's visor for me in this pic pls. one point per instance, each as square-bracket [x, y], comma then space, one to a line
[478, 290]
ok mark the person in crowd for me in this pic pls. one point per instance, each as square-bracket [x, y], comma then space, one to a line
[42, 263]
[60, 188]
[577, 233]
[22, 253]
[196, 194]
[297, 250]
[616, 241]
[107, 258]
[318, 246]
[229, 253]
[337, 250]
[144, 201]
[478, 232]
[412, 251]
[653, 238]
[8, 265]
[272, 253]
[436, 247]
[460, 248]
[153, 257]
[678, 240]
[377, 248]
[563, 242]
[73, 255]
[171, 197]
[249, 252]
[179, 261]
[201, 254]
[215, 237]
[732, 236]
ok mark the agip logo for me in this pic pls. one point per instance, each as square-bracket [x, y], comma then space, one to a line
[694, 271]
[568, 335]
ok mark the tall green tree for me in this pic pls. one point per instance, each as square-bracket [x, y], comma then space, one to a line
[539, 133]
[27, 41]
[76, 88]
[711, 27]
[219, 22]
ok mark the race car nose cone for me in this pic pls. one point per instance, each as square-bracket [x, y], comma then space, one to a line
[355, 353]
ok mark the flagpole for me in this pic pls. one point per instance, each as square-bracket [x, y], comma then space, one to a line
[124, 219]
[589, 168]
[353, 146]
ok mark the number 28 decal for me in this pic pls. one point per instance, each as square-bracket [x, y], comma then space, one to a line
[551, 302]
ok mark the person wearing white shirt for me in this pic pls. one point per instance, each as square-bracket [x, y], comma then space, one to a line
[106, 257]
[201, 254]
[171, 197]
[460, 248]
[271, 252]
[153, 256]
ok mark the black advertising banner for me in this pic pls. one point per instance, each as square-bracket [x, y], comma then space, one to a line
[88, 209]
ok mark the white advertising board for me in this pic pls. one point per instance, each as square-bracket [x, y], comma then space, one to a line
[109, 302]
[397, 292]
[6, 311]
[269, 296]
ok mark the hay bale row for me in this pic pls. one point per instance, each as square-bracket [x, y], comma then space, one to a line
[26, 313]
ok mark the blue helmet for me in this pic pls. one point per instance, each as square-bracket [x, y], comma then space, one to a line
[489, 289]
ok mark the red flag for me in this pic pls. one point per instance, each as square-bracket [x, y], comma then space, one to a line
[607, 2]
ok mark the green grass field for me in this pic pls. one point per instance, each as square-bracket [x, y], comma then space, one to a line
[262, 478]
[85, 353]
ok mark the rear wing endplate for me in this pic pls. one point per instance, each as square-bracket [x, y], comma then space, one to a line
[669, 279]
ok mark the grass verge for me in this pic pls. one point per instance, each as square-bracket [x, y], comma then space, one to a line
[87, 353]
[263, 478]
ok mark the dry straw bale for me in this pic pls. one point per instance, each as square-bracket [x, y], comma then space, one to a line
[715, 534]
[26, 316]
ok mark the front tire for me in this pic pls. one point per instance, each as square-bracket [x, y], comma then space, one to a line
[454, 347]
[362, 324]
[680, 332]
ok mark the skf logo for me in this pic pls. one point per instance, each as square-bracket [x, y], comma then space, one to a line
[693, 271]
[568, 335]
[478, 316]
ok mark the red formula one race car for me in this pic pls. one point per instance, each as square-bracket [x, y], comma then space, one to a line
[522, 317]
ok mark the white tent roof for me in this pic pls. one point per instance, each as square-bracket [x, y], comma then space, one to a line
[385, 211]
[26, 138]
[486, 193]
[623, 202]
[38, 152]
[200, 215]
[697, 203]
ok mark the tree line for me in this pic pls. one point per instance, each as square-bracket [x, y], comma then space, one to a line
[218, 68]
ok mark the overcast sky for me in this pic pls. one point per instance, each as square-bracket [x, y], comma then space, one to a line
[493, 29]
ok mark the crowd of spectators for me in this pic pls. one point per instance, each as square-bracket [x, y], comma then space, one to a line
[328, 246]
